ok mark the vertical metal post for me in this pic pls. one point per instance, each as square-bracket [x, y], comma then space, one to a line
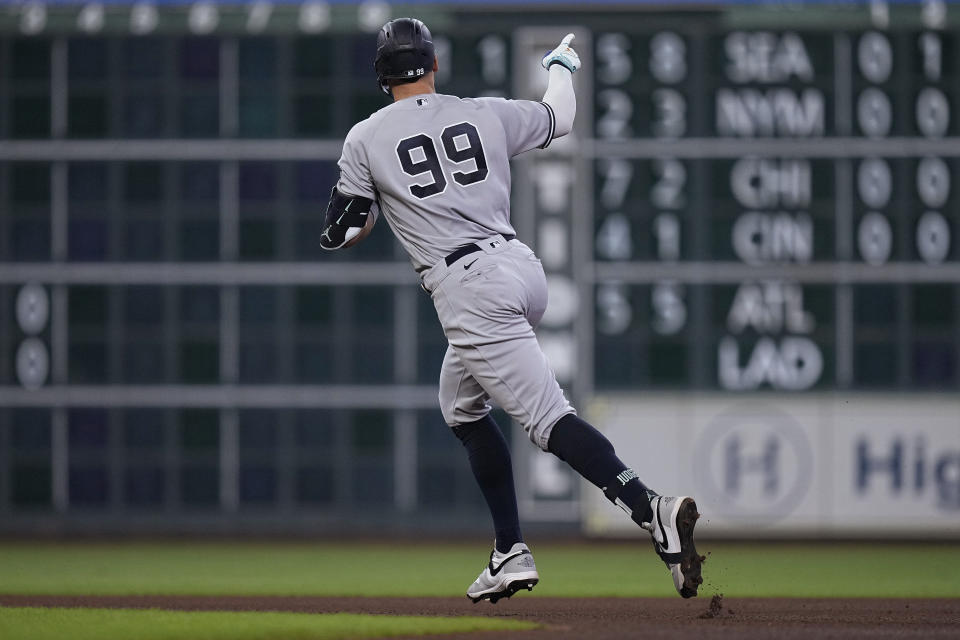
[58, 88]
[229, 87]
[60, 461]
[230, 295]
[843, 293]
[701, 373]
[59, 445]
[229, 460]
[6, 463]
[901, 224]
[284, 460]
[5, 89]
[582, 242]
[344, 461]
[59, 354]
[843, 221]
[7, 296]
[405, 421]
[171, 462]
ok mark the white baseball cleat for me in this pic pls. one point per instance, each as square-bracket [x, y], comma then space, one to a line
[672, 532]
[505, 574]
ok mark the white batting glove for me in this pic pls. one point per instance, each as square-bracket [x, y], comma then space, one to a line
[564, 55]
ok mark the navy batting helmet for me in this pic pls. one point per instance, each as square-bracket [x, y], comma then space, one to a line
[404, 52]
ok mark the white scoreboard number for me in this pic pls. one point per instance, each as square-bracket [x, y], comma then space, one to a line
[776, 87]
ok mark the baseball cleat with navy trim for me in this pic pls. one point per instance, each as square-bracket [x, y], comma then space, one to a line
[505, 574]
[672, 530]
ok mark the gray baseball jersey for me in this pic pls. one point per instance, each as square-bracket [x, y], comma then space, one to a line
[439, 167]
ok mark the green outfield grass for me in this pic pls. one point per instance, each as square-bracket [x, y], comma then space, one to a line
[110, 624]
[580, 570]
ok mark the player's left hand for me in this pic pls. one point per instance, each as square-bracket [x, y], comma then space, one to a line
[563, 55]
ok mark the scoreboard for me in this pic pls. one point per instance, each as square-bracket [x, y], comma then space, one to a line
[800, 184]
[755, 198]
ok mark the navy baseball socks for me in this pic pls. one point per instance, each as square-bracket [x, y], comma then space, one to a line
[511, 566]
[572, 440]
[669, 520]
[591, 455]
[493, 470]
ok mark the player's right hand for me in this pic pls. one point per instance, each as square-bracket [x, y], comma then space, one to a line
[563, 55]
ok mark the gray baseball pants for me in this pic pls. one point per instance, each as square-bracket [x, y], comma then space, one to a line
[488, 303]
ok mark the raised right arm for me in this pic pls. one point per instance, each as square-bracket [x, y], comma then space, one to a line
[560, 64]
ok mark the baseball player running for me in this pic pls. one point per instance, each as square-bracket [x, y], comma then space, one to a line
[438, 168]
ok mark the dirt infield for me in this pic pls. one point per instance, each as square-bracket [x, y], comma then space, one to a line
[601, 618]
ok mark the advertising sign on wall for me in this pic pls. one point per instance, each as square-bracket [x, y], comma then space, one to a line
[778, 466]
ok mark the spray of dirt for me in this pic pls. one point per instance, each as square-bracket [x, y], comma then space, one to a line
[716, 609]
[716, 606]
